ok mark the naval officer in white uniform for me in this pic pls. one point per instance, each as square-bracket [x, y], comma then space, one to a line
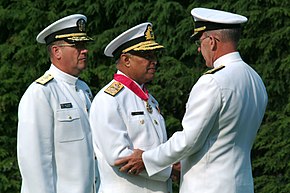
[125, 116]
[54, 143]
[223, 114]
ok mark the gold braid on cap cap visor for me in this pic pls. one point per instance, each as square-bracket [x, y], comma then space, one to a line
[196, 30]
[74, 36]
[147, 45]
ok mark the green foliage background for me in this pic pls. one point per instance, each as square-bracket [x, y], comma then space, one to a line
[265, 46]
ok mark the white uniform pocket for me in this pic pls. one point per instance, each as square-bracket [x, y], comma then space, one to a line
[141, 131]
[68, 125]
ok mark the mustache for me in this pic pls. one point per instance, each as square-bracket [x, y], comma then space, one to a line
[156, 67]
[82, 58]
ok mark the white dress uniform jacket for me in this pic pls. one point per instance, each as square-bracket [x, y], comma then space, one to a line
[223, 114]
[55, 151]
[119, 124]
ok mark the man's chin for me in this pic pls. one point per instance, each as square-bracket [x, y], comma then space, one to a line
[150, 80]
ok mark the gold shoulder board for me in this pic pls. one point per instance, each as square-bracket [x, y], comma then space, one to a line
[212, 71]
[114, 88]
[44, 79]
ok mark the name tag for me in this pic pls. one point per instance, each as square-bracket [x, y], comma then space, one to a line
[137, 113]
[65, 105]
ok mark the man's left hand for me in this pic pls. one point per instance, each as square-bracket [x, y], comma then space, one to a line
[132, 164]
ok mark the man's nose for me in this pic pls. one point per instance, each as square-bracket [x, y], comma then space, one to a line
[154, 62]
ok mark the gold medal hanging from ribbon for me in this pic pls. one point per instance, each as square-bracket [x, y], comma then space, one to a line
[148, 107]
[143, 94]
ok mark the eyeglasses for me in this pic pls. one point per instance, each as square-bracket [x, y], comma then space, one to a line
[79, 46]
[198, 42]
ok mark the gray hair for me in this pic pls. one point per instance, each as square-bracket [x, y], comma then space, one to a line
[48, 48]
[226, 35]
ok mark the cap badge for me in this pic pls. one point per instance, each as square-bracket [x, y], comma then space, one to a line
[81, 23]
[149, 35]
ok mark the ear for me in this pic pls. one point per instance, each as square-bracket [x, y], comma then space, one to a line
[213, 43]
[56, 51]
[125, 60]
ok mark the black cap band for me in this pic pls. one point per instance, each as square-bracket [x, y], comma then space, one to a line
[128, 44]
[202, 26]
[214, 26]
[51, 38]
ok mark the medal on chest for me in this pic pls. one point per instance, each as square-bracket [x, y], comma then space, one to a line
[148, 107]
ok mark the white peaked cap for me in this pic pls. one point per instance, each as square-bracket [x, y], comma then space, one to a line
[70, 28]
[138, 38]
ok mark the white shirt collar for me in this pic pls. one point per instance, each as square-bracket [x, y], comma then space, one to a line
[57, 73]
[119, 72]
[226, 59]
